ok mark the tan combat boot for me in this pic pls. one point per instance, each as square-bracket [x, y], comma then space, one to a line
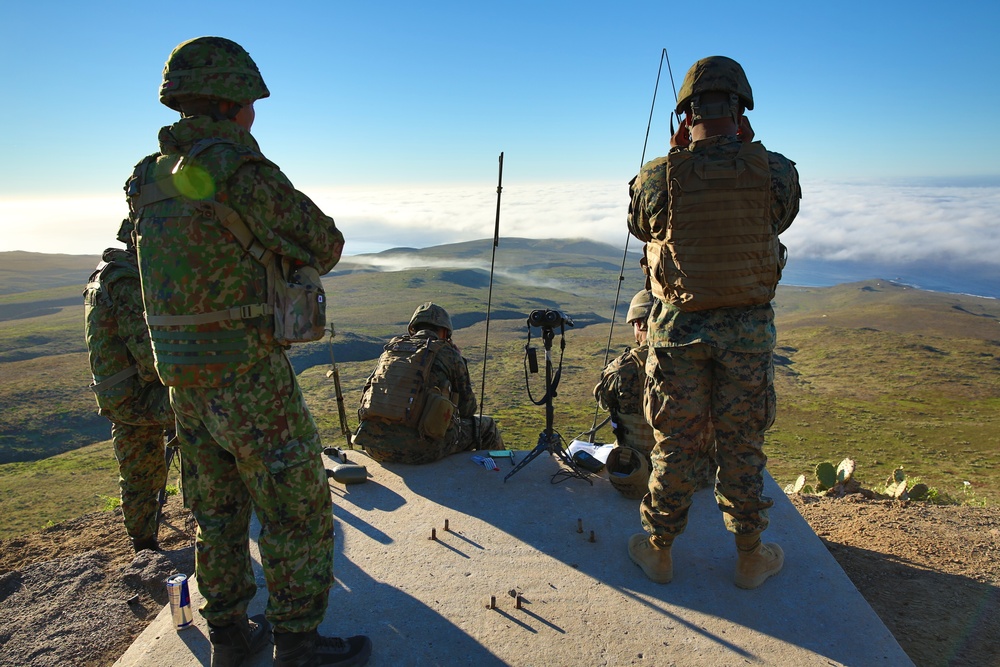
[654, 560]
[756, 561]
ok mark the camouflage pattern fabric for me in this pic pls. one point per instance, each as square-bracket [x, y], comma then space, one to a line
[251, 444]
[211, 67]
[138, 407]
[622, 390]
[622, 381]
[396, 443]
[715, 363]
[220, 276]
[685, 384]
[142, 473]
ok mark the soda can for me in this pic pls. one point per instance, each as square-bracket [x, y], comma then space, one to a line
[180, 601]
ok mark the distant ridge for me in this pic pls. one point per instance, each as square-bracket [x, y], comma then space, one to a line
[44, 270]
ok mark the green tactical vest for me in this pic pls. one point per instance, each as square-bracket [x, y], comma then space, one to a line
[204, 288]
[719, 249]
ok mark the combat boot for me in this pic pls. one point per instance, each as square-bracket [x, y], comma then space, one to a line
[310, 649]
[233, 644]
[654, 560]
[756, 561]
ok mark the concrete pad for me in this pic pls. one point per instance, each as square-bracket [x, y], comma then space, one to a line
[425, 602]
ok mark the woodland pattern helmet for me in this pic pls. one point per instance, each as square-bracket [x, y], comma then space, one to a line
[213, 67]
[640, 306]
[718, 74]
[429, 313]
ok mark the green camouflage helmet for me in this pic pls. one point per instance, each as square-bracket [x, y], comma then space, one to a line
[430, 314]
[640, 306]
[715, 73]
[212, 67]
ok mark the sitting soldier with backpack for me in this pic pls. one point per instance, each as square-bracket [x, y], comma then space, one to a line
[418, 405]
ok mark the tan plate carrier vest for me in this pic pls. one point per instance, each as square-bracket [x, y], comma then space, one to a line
[719, 247]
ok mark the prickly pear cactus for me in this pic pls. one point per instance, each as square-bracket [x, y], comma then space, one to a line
[895, 485]
[845, 471]
[826, 476]
[919, 492]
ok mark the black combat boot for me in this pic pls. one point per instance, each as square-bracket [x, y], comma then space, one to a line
[141, 543]
[309, 649]
[233, 644]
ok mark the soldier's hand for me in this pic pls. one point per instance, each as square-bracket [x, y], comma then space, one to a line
[745, 132]
[682, 137]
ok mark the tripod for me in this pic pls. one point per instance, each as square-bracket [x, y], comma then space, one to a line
[549, 440]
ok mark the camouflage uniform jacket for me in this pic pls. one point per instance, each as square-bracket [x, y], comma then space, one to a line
[283, 219]
[117, 338]
[740, 329]
[449, 370]
[623, 383]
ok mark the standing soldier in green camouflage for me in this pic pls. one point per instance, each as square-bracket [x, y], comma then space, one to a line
[710, 213]
[418, 405]
[211, 213]
[126, 386]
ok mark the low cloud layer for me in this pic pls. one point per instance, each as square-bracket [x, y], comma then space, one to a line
[838, 221]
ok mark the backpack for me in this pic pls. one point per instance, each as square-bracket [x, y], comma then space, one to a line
[399, 392]
[209, 316]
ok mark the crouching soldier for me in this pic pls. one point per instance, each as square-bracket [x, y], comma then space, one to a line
[418, 405]
[126, 386]
[620, 392]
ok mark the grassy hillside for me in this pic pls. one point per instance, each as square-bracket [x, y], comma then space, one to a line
[873, 371]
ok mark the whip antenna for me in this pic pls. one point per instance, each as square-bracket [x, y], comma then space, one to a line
[489, 299]
[642, 161]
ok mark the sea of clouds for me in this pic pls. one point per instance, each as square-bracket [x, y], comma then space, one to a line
[945, 227]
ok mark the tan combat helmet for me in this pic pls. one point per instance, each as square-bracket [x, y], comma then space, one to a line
[628, 471]
[715, 74]
[430, 314]
[640, 306]
[213, 67]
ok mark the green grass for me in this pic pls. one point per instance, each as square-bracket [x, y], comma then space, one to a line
[883, 374]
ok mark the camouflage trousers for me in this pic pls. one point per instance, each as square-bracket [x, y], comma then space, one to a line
[685, 387]
[142, 474]
[395, 443]
[253, 446]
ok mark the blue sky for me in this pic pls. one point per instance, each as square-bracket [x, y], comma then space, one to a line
[391, 115]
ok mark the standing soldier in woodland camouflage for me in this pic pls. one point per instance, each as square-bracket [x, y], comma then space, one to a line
[710, 213]
[418, 405]
[212, 215]
[126, 386]
[620, 392]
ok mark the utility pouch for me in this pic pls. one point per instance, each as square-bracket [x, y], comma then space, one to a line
[437, 416]
[299, 304]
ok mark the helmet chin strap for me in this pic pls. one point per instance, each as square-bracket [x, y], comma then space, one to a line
[712, 111]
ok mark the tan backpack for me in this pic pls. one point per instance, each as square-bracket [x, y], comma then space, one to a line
[398, 390]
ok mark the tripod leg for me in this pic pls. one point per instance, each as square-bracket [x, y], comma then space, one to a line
[542, 446]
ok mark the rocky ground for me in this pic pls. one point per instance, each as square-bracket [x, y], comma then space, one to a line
[74, 594]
